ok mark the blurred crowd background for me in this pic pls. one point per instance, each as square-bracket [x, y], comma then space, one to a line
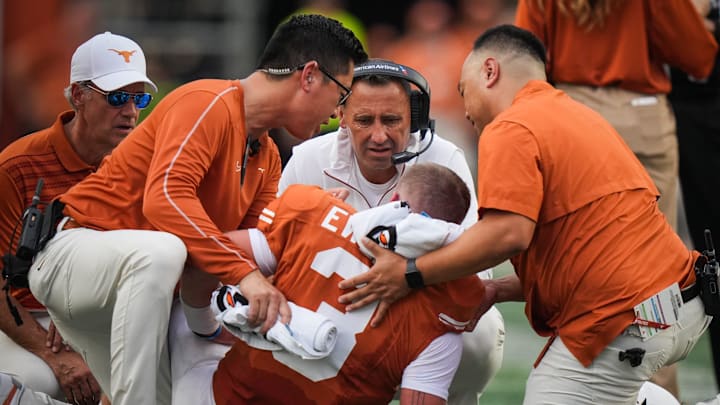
[189, 39]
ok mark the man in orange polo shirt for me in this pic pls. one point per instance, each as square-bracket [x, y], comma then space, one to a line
[174, 185]
[563, 197]
[612, 56]
[62, 155]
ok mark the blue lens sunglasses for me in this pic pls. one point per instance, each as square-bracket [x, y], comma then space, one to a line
[117, 98]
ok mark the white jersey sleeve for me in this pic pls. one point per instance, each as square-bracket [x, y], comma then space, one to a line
[264, 257]
[433, 370]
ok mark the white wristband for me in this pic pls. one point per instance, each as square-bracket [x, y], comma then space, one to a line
[200, 320]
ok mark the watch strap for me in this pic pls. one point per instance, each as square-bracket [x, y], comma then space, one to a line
[413, 277]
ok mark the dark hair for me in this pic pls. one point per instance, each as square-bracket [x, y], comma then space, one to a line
[436, 190]
[382, 80]
[512, 39]
[309, 37]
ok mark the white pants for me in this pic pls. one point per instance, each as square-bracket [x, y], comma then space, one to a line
[561, 379]
[194, 361]
[26, 367]
[109, 294]
[481, 359]
[12, 392]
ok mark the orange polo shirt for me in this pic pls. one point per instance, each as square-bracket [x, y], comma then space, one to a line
[179, 172]
[629, 50]
[45, 154]
[601, 246]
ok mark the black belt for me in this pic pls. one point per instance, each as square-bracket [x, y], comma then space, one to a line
[690, 292]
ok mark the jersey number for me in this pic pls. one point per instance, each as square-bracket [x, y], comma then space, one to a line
[341, 262]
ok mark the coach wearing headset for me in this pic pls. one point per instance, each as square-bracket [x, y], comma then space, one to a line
[385, 126]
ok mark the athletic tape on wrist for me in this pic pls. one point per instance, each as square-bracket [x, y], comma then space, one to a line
[201, 320]
[210, 337]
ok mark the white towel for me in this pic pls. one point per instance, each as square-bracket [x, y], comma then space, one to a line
[408, 234]
[309, 335]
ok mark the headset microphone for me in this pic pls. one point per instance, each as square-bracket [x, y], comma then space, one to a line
[405, 156]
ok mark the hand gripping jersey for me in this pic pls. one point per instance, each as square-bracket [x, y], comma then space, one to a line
[307, 232]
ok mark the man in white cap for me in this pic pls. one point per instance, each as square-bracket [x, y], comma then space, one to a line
[106, 93]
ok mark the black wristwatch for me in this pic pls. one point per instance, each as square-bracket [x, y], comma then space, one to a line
[413, 277]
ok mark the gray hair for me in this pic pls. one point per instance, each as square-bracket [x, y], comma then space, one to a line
[68, 96]
[67, 92]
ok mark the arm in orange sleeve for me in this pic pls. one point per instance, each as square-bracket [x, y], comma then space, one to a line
[192, 134]
[530, 17]
[678, 36]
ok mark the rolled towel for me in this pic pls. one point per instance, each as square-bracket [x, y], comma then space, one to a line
[309, 335]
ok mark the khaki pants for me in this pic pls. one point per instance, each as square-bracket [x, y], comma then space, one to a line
[560, 378]
[109, 294]
[647, 124]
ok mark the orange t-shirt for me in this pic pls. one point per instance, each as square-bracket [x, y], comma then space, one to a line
[629, 50]
[306, 231]
[601, 246]
[46, 154]
[179, 172]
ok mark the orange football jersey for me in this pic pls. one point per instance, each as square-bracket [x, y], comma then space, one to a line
[307, 231]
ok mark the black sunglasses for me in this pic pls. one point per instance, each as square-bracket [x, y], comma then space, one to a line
[287, 71]
[117, 98]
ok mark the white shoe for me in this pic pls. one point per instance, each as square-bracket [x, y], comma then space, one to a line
[711, 401]
[653, 394]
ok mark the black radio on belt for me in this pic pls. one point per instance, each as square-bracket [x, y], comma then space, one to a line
[38, 227]
[706, 276]
[16, 267]
[31, 227]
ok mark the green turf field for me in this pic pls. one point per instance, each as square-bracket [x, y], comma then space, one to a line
[522, 346]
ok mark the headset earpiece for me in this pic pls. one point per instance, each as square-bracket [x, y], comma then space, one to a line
[419, 111]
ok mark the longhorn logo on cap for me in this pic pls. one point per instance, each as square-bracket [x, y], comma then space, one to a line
[125, 54]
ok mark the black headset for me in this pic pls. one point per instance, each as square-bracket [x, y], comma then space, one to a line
[419, 99]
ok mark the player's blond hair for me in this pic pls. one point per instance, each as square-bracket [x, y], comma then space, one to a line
[436, 190]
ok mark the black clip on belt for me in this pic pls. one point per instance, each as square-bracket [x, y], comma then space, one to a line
[690, 292]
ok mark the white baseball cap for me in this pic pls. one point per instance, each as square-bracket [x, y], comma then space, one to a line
[110, 61]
